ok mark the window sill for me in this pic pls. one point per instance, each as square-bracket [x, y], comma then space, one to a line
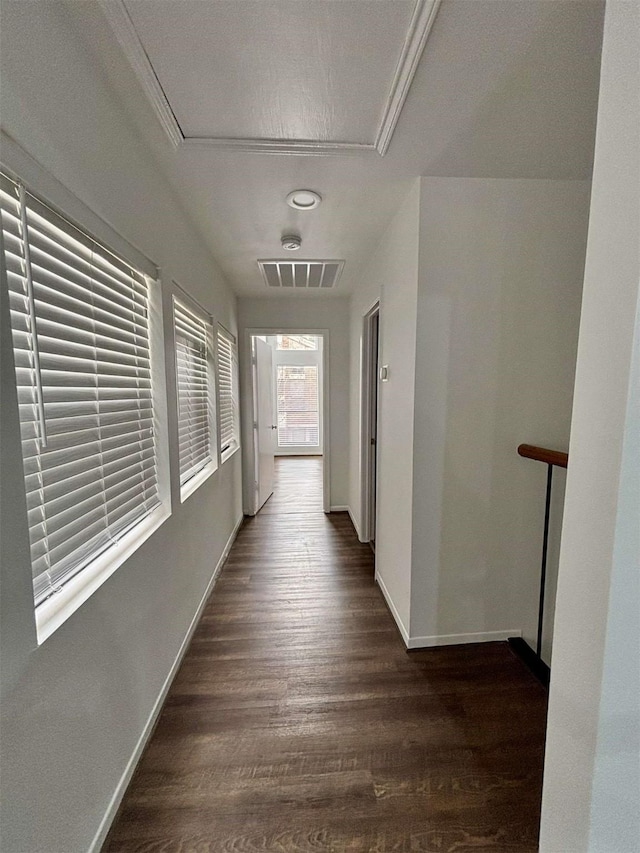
[229, 453]
[196, 481]
[53, 612]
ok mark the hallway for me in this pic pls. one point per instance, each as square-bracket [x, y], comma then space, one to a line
[298, 722]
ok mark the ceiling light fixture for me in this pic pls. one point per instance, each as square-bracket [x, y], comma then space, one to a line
[291, 242]
[304, 199]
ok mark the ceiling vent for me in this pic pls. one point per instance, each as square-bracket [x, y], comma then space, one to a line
[297, 274]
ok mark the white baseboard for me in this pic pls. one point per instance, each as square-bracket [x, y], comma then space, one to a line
[442, 639]
[392, 608]
[459, 639]
[116, 799]
[353, 521]
[356, 526]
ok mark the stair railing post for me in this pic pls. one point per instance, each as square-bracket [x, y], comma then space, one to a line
[518, 644]
[543, 568]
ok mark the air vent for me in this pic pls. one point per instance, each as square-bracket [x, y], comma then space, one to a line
[297, 274]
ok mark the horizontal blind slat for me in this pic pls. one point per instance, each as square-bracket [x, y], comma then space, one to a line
[193, 335]
[122, 286]
[71, 274]
[97, 473]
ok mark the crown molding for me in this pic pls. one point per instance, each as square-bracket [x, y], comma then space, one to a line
[118, 17]
[424, 14]
[422, 19]
[279, 146]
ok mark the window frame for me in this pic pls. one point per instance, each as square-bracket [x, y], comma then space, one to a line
[193, 483]
[223, 332]
[52, 612]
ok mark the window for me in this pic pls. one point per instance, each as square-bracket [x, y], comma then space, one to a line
[193, 332]
[228, 388]
[298, 406]
[296, 342]
[80, 321]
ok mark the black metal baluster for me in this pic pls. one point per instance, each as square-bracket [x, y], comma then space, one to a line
[543, 569]
[524, 651]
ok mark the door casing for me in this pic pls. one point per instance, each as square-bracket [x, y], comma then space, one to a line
[368, 421]
[247, 411]
[263, 433]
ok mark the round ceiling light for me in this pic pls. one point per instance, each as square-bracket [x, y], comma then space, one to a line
[304, 199]
[291, 242]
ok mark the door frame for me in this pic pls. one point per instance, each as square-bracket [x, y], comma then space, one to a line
[256, 425]
[367, 416]
[248, 417]
[304, 358]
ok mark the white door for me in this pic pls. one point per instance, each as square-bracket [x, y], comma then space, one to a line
[264, 421]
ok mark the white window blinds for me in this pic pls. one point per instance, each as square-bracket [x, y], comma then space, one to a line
[298, 406]
[80, 323]
[194, 340]
[228, 389]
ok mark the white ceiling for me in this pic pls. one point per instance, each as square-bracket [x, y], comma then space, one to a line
[504, 88]
[274, 69]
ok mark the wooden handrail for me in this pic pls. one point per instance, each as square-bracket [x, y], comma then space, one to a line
[543, 454]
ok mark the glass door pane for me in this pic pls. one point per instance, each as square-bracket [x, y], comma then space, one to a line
[298, 406]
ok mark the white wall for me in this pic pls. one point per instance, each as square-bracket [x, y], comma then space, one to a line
[306, 313]
[392, 277]
[75, 707]
[592, 769]
[501, 264]
[480, 285]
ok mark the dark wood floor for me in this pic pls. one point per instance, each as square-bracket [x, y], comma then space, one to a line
[298, 722]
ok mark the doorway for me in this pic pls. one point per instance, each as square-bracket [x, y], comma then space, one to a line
[288, 404]
[369, 420]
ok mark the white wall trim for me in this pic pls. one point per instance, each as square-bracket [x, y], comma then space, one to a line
[355, 526]
[441, 639]
[459, 639]
[424, 14]
[351, 516]
[311, 147]
[116, 14]
[118, 794]
[392, 608]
